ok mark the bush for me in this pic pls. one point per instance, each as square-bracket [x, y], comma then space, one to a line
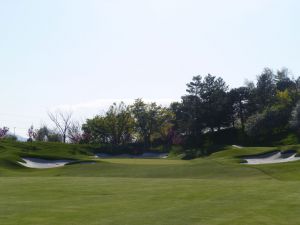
[271, 121]
[11, 137]
[295, 118]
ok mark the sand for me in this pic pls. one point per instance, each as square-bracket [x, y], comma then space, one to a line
[237, 146]
[43, 163]
[274, 157]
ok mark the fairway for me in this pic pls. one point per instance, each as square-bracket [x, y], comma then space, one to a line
[214, 190]
[77, 201]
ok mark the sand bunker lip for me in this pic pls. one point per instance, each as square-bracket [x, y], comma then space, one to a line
[273, 157]
[146, 155]
[38, 163]
[237, 146]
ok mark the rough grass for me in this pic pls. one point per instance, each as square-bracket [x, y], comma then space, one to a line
[216, 190]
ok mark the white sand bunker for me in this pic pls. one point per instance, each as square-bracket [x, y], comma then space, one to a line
[43, 163]
[274, 157]
[145, 155]
[237, 146]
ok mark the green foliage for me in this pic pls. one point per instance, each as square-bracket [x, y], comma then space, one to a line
[295, 118]
[146, 122]
[10, 137]
[262, 111]
[283, 82]
[188, 116]
[240, 103]
[46, 134]
[152, 122]
[288, 139]
[284, 98]
[115, 127]
[207, 106]
[209, 114]
[42, 133]
[96, 130]
[258, 111]
[120, 124]
[213, 100]
[265, 89]
[271, 121]
[54, 137]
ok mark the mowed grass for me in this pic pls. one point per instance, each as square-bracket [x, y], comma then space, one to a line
[207, 191]
[136, 201]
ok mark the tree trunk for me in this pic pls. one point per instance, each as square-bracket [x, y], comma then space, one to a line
[64, 138]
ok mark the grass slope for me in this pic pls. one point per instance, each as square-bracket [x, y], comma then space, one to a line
[216, 190]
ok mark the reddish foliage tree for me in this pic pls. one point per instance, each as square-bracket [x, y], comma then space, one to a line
[3, 132]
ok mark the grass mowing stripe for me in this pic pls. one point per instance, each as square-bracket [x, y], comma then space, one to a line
[135, 201]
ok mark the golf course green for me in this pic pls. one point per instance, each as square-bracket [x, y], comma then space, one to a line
[213, 190]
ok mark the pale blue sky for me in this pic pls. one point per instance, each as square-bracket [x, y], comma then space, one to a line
[85, 54]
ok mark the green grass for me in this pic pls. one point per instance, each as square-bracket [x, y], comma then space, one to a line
[216, 190]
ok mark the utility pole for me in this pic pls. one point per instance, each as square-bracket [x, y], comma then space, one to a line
[14, 131]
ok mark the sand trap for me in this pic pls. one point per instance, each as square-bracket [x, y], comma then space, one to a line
[146, 155]
[237, 146]
[274, 157]
[43, 163]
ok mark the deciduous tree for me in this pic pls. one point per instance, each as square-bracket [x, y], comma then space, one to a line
[62, 121]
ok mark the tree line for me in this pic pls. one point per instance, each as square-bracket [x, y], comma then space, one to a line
[255, 112]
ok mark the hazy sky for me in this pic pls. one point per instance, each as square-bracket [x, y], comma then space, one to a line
[85, 54]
